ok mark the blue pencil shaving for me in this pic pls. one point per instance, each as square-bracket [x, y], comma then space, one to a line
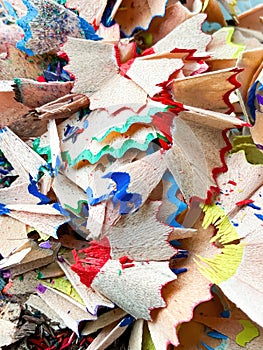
[33, 189]
[216, 335]
[172, 195]
[175, 243]
[60, 209]
[3, 209]
[4, 172]
[251, 100]
[180, 256]
[225, 314]
[128, 201]
[178, 271]
[128, 320]
[47, 25]
[252, 205]
[11, 12]
[71, 132]
[207, 346]
[95, 200]
[259, 216]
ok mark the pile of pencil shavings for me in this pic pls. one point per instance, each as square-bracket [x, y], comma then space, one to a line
[131, 174]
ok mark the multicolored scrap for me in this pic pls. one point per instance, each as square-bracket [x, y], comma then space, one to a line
[154, 189]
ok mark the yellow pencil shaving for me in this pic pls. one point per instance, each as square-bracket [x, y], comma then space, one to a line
[64, 286]
[205, 4]
[214, 215]
[222, 266]
[248, 333]
[239, 47]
